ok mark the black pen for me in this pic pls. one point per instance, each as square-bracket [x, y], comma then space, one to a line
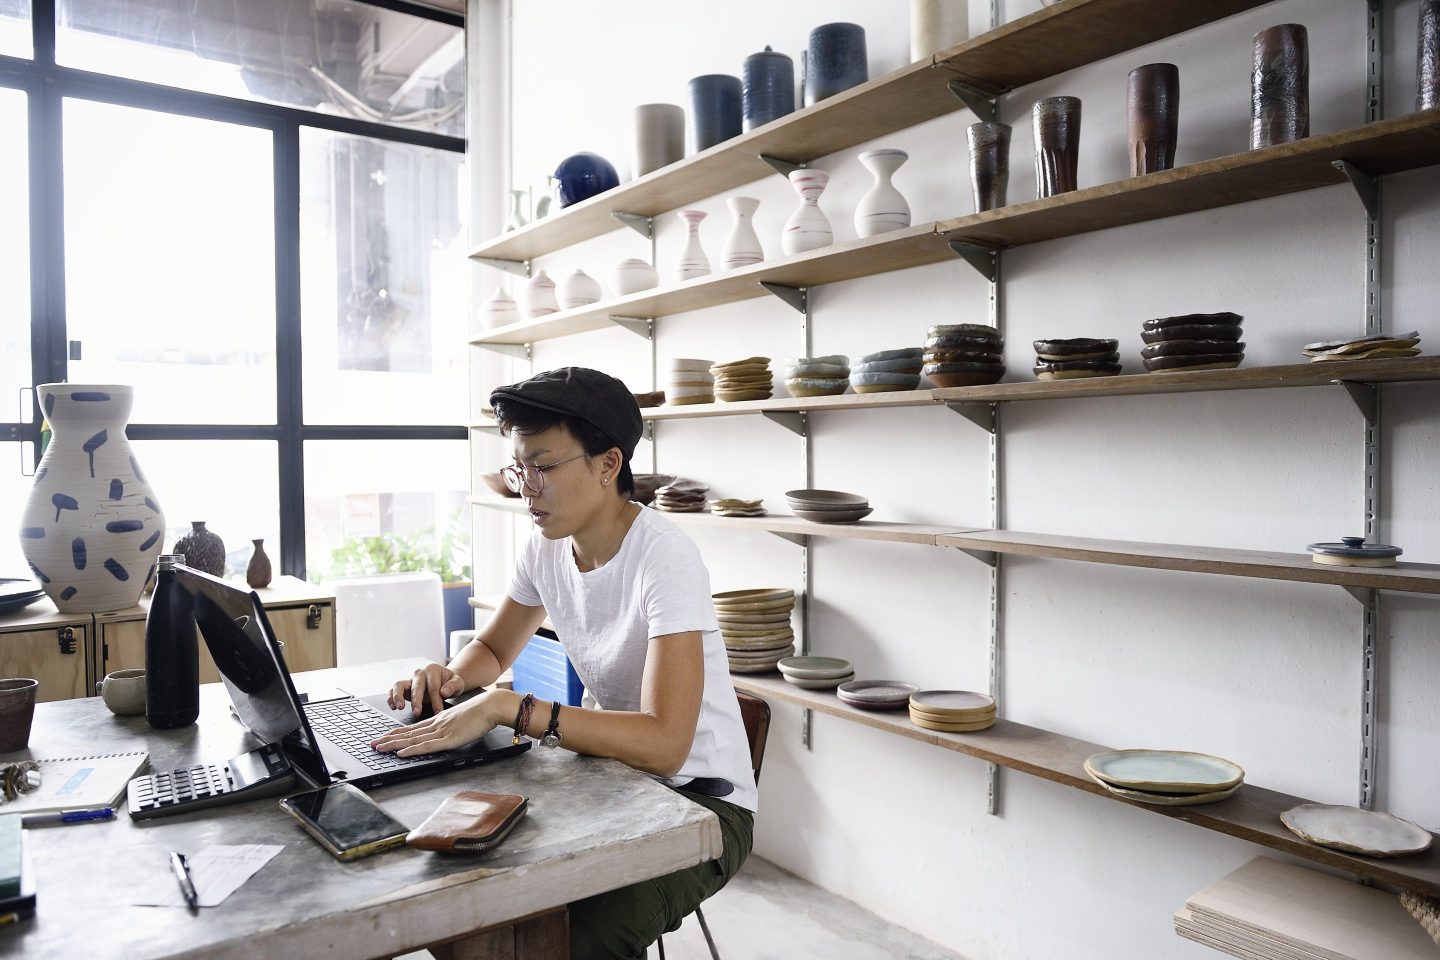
[182, 874]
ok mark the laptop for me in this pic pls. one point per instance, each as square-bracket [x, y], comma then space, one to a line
[326, 740]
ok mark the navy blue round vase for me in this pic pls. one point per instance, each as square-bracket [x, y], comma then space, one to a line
[583, 175]
[769, 87]
[714, 110]
[836, 60]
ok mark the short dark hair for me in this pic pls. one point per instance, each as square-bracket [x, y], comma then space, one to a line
[524, 419]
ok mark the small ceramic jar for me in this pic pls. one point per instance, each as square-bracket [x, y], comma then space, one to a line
[578, 290]
[540, 296]
[499, 310]
[632, 276]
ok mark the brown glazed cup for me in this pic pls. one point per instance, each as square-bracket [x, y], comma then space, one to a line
[123, 692]
[1057, 145]
[17, 711]
[1280, 86]
[1153, 103]
[989, 163]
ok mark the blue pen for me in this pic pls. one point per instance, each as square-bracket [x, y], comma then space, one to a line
[68, 816]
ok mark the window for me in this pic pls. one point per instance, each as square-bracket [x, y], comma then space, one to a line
[14, 251]
[15, 28]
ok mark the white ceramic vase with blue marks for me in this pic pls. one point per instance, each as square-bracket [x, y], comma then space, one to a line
[883, 208]
[92, 527]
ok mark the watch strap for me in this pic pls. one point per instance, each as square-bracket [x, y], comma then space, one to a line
[552, 732]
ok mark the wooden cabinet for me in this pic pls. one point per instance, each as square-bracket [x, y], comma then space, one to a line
[55, 648]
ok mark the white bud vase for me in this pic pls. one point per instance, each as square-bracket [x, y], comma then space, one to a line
[883, 208]
[808, 228]
[742, 247]
[632, 276]
[540, 296]
[499, 310]
[578, 290]
[693, 262]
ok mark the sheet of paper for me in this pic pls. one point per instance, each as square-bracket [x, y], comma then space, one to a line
[217, 871]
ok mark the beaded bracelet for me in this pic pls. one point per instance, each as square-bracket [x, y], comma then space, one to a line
[522, 719]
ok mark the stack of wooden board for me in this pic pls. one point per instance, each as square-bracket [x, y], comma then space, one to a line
[1269, 910]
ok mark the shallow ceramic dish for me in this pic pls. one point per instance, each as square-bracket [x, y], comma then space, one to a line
[824, 683]
[773, 607]
[825, 498]
[958, 704]
[729, 618]
[1367, 832]
[883, 379]
[956, 342]
[1191, 348]
[497, 483]
[1194, 331]
[1171, 799]
[1075, 348]
[964, 374]
[1075, 369]
[816, 368]
[1164, 771]
[753, 631]
[833, 516]
[886, 387]
[877, 694]
[752, 667]
[1356, 548]
[652, 399]
[1393, 340]
[817, 387]
[1204, 361]
[1188, 319]
[647, 483]
[816, 668]
[688, 401]
[755, 644]
[952, 727]
[689, 364]
[880, 355]
[18, 593]
[984, 716]
[746, 362]
[962, 329]
[906, 364]
[946, 355]
[776, 650]
[752, 595]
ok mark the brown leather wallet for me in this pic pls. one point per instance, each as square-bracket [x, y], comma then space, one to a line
[469, 822]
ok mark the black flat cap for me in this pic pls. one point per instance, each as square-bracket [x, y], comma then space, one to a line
[597, 398]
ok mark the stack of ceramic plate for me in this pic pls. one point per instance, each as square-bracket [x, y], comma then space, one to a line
[1365, 348]
[690, 382]
[756, 627]
[18, 593]
[682, 496]
[1196, 341]
[963, 354]
[1353, 830]
[887, 371]
[828, 506]
[876, 694]
[652, 399]
[952, 711]
[747, 379]
[1076, 358]
[816, 673]
[737, 508]
[646, 484]
[817, 376]
[1169, 778]
[1354, 552]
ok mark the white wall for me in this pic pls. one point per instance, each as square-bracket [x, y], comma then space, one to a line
[1264, 673]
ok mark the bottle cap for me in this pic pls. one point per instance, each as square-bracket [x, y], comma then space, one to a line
[167, 561]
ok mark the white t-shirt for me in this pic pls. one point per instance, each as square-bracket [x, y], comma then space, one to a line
[655, 585]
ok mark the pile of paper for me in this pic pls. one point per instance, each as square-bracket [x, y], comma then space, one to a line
[1268, 910]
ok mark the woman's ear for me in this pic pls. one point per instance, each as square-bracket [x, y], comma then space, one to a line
[610, 463]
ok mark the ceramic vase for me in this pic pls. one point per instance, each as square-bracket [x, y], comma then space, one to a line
[989, 163]
[1280, 86]
[808, 228]
[835, 60]
[937, 25]
[768, 87]
[1427, 60]
[202, 549]
[632, 276]
[1057, 145]
[659, 137]
[583, 175]
[516, 220]
[714, 110]
[883, 208]
[1153, 106]
[578, 290]
[499, 310]
[258, 572]
[540, 296]
[693, 262]
[92, 528]
[742, 246]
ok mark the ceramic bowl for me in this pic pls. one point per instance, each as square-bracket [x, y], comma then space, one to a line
[907, 364]
[963, 342]
[828, 683]
[497, 484]
[876, 694]
[815, 668]
[1075, 369]
[947, 355]
[964, 374]
[833, 516]
[882, 382]
[825, 498]
[962, 329]
[647, 483]
[1189, 319]
[1192, 348]
[652, 399]
[1199, 331]
[1204, 361]
[886, 355]
[813, 387]
[1075, 348]
[691, 364]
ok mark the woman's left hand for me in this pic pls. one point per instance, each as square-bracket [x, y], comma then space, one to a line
[446, 730]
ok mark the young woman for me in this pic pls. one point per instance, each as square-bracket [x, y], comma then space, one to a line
[630, 601]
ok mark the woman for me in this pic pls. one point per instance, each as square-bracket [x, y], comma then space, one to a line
[630, 601]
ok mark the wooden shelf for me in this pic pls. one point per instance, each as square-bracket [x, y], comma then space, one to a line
[1297, 567]
[1024, 51]
[1253, 814]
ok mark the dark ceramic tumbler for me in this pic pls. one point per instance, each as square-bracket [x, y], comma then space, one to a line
[1154, 108]
[1427, 66]
[17, 712]
[835, 60]
[1280, 86]
[714, 110]
[769, 87]
[989, 163]
[1057, 145]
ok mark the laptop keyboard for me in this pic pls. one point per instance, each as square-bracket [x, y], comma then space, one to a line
[351, 725]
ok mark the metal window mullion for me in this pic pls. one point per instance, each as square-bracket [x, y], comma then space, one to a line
[289, 385]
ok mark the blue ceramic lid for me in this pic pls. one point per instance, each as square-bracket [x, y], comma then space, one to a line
[1355, 547]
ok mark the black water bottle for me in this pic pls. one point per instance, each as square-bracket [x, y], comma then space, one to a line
[172, 652]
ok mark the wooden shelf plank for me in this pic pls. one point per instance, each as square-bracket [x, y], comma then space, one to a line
[847, 401]
[1031, 48]
[1253, 814]
[1297, 567]
[1386, 146]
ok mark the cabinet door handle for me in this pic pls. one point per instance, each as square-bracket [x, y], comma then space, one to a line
[312, 617]
[65, 637]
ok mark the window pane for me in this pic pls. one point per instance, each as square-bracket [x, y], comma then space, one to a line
[14, 489]
[14, 251]
[232, 485]
[15, 38]
[386, 506]
[170, 261]
[349, 59]
[382, 276]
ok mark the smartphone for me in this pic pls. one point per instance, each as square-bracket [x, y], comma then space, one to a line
[345, 821]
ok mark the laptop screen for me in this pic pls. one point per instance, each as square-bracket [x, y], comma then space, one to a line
[244, 649]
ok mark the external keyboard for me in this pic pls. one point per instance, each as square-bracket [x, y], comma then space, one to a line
[260, 773]
[352, 725]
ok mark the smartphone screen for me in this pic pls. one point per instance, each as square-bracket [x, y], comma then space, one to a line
[345, 820]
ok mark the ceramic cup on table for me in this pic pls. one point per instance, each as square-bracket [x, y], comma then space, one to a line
[123, 692]
[17, 712]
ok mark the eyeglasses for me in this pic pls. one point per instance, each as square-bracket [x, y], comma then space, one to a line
[532, 476]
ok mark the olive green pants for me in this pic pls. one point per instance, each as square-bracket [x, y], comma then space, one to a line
[619, 925]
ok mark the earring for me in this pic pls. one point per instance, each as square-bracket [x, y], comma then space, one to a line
[606, 481]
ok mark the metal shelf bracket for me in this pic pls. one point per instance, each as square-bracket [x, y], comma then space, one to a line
[980, 414]
[521, 351]
[1366, 186]
[797, 297]
[640, 326]
[794, 422]
[1365, 595]
[521, 268]
[988, 557]
[1365, 396]
[641, 224]
[782, 167]
[799, 539]
[982, 103]
[984, 259]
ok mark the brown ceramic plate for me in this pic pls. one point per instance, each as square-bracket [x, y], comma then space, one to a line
[1188, 319]
[652, 399]
[964, 343]
[1194, 331]
[1204, 361]
[833, 516]
[826, 498]
[964, 374]
[1057, 369]
[944, 355]
[1193, 348]
[1075, 348]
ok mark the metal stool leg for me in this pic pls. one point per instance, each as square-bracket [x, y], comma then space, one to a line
[705, 929]
[661, 944]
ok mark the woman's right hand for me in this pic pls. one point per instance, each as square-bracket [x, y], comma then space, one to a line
[426, 689]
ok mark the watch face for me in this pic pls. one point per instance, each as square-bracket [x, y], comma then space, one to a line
[550, 739]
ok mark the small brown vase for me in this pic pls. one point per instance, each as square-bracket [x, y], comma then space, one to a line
[1280, 86]
[203, 549]
[1427, 61]
[990, 163]
[1154, 110]
[258, 573]
[1057, 145]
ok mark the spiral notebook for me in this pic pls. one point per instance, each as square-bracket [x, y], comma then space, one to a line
[80, 783]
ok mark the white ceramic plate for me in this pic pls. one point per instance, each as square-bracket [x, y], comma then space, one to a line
[880, 693]
[817, 668]
[829, 683]
[1170, 799]
[758, 595]
[1369, 832]
[961, 704]
[1164, 771]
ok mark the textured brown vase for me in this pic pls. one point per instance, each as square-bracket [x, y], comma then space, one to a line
[1280, 86]
[203, 550]
[258, 573]
[1153, 104]
[989, 163]
[1057, 145]
[1427, 61]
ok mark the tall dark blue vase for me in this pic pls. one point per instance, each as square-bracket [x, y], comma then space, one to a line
[714, 110]
[769, 87]
[835, 61]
